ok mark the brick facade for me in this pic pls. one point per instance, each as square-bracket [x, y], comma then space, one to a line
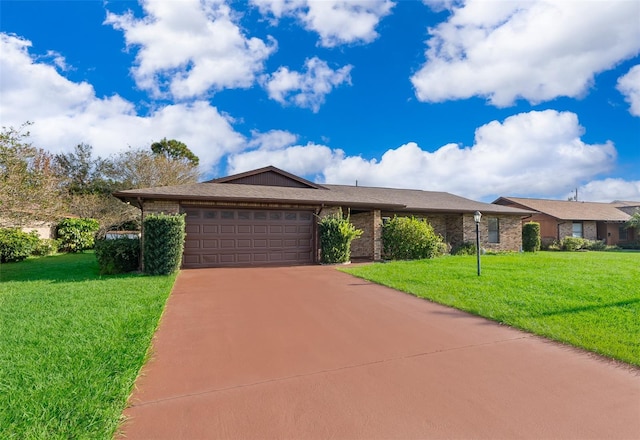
[369, 245]
[589, 230]
[161, 207]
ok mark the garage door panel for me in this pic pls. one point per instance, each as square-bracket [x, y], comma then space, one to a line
[227, 229]
[192, 244]
[210, 229]
[228, 237]
[192, 228]
[227, 244]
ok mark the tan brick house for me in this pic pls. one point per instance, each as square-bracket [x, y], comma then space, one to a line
[269, 216]
[590, 220]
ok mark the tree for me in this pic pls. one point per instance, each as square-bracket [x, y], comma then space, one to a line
[634, 221]
[30, 189]
[136, 168]
[81, 173]
[175, 150]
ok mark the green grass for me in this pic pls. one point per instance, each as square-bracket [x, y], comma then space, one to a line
[71, 345]
[587, 299]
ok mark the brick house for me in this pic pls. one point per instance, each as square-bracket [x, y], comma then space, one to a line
[269, 216]
[590, 220]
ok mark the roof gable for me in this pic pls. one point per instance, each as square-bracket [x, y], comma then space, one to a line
[268, 176]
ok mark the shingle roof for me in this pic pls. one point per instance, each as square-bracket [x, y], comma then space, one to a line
[569, 210]
[353, 196]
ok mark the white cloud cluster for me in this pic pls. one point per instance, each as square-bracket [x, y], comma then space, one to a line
[536, 50]
[535, 153]
[608, 190]
[302, 160]
[306, 89]
[629, 86]
[336, 21]
[66, 113]
[190, 47]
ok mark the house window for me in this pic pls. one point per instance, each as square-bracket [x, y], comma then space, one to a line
[623, 233]
[577, 230]
[494, 229]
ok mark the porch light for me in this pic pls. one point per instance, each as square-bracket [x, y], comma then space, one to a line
[477, 216]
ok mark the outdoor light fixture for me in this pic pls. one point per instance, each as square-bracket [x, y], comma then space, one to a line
[477, 216]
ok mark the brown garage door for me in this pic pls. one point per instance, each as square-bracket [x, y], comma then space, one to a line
[245, 237]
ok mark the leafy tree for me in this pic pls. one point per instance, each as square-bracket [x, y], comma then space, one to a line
[634, 221]
[175, 150]
[136, 168]
[30, 189]
[82, 173]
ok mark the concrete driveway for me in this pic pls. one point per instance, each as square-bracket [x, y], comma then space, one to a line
[309, 352]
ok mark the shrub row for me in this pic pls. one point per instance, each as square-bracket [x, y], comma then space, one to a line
[572, 244]
[16, 245]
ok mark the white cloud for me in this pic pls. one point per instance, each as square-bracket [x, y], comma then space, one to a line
[272, 140]
[309, 88]
[302, 160]
[608, 190]
[336, 21]
[535, 50]
[629, 86]
[66, 113]
[190, 47]
[535, 153]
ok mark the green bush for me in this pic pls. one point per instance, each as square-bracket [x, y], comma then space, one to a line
[16, 245]
[163, 243]
[336, 235]
[118, 256]
[46, 246]
[410, 238]
[531, 237]
[596, 245]
[466, 248]
[570, 244]
[77, 234]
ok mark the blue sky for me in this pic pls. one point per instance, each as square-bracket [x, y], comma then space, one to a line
[483, 98]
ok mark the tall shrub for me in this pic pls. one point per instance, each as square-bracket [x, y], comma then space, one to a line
[531, 237]
[336, 235]
[77, 234]
[16, 245]
[163, 243]
[410, 238]
[118, 256]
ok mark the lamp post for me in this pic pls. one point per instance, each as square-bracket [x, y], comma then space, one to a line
[476, 217]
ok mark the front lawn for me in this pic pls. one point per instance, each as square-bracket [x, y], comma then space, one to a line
[71, 345]
[587, 299]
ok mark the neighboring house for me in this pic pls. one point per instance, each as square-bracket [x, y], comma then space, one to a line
[269, 216]
[591, 220]
[43, 229]
[626, 206]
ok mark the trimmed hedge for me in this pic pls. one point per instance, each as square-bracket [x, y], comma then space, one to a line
[531, 237]
[77, 234]
[410, 238]
[336, 235]
[120, 255]
[163, 243]
[16, 245]
[466, 248]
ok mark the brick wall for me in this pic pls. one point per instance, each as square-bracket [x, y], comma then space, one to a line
[369, 245]
[510, 228]
[589, 230]
[161, 207]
